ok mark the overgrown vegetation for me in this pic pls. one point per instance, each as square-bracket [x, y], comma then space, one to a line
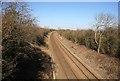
[24, 62]
[21, 61]
[103, 38]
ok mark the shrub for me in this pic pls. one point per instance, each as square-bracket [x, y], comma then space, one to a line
[41, 40]
[109, 44]
[26, 63]
[21, 61]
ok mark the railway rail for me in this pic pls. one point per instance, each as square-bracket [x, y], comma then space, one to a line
[68, 65]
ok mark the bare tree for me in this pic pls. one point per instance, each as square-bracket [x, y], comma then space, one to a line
[102, 21]
[16, 21]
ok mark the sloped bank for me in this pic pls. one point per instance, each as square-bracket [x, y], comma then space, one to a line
[21, 61]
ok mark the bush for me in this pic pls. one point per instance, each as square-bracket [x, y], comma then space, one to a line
[109, 44]
[26, 62]
[41, 40]
[21, 61]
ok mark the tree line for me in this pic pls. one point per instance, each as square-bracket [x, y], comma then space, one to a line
[103, 38]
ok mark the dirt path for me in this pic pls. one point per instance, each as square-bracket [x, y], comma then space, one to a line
[68, 65]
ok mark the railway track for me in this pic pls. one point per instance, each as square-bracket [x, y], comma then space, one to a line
[69, 66]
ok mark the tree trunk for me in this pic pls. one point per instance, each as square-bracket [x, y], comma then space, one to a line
[99, 44]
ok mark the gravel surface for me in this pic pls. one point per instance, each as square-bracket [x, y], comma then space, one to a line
[105, 65]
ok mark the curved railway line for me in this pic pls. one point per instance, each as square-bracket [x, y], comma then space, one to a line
[68, 65]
